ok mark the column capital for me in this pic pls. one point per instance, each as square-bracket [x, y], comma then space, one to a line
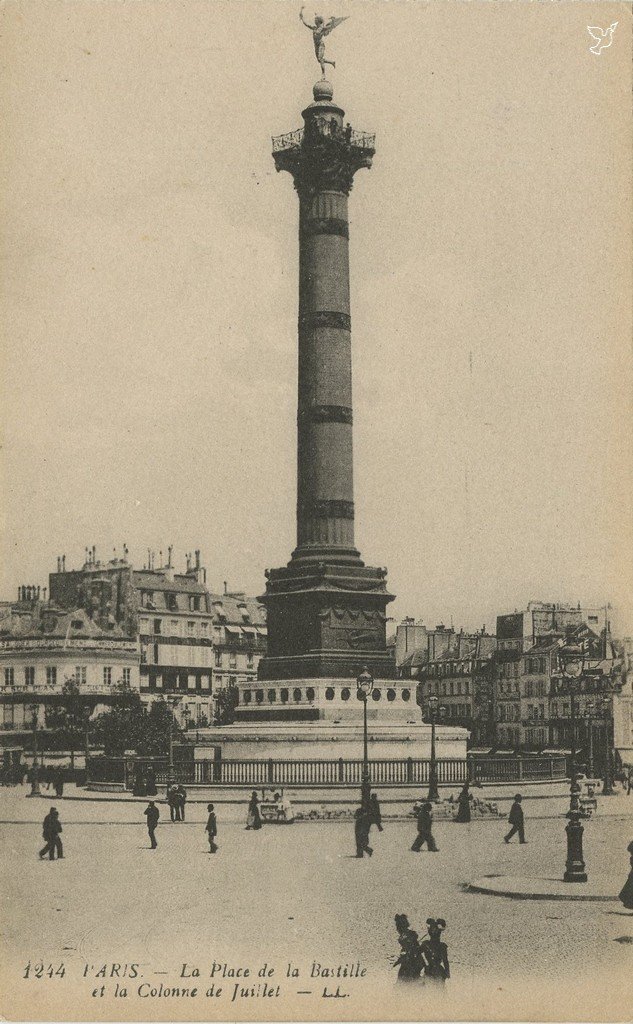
[325, 154]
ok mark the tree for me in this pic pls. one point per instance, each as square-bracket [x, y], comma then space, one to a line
[138, 728]
[226, 701]
[68, 719]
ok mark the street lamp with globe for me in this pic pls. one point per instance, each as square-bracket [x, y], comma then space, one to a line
[434, 710]
[572, 662]
[364, 684]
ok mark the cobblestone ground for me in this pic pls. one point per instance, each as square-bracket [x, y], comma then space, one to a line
[295, 894]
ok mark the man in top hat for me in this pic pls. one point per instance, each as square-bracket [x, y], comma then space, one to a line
[152, 814]
[211, 829]
[515, 818]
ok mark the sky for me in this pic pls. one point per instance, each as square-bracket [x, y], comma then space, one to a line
[149, 282]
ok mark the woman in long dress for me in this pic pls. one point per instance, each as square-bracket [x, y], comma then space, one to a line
[410, 962]
[463, 804]
[435, 952]
[626, 896]
[253, 817]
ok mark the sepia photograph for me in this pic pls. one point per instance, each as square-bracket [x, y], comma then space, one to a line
[316, 507]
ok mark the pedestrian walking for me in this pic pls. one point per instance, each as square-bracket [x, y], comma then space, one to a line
[152, 814]
[516, 819]
[425, 829]
[626, 895]
[362, 825]
[172, 800]
[211, 829]
[463, 803]
[630, 782]
[374, 812]
[435, 952]
[181, 800]
[51, 828]
[253, 817]
[59, 782]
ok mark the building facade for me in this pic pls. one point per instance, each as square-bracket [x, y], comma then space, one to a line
[43, 649]
[192, 642]
[461, 678]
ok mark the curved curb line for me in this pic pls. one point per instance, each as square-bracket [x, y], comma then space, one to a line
[508, 894]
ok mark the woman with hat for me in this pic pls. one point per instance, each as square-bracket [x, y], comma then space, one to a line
[435, 952]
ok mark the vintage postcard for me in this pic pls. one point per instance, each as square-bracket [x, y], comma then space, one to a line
[316, 619]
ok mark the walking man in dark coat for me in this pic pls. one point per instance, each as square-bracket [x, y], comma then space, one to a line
[211, 829]
[51, 829]
[152, 814]
[362, 825]
[172, 800]
[425, 829]
[374, 812]
[515, 818]
[181, 794]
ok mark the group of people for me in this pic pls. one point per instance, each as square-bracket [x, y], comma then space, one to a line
[425, 959]
[152, 815]
[369, 814]
[176, 798]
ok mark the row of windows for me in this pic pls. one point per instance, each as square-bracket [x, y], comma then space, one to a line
[536, 737]
[536, 711]
[452, 668]
[508, 713]
[220, 659]
[536, 665]
[535, 688]
[330, 693]
[458, 711]
[149, 600]
[191, 628]
[176, 681]
[174, 627]
[80, 675]
[510, 736]
[454, 688]
[508, 670]
[507, 686]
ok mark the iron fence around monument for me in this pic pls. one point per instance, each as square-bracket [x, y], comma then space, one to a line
[335, 772]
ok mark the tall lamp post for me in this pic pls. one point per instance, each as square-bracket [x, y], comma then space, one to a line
[589, 711]
[434, 710]
[35, 779]
[572, 664]
[364, 684]
[605, 707]
[172, 702]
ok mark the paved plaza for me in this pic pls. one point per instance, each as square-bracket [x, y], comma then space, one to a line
[296, 895]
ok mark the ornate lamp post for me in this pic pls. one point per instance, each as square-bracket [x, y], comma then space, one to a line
[172, 702]
[572, 664]
[35, 780]
[589, 711]
[434, 710]
[364, 684]
[605, 707]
